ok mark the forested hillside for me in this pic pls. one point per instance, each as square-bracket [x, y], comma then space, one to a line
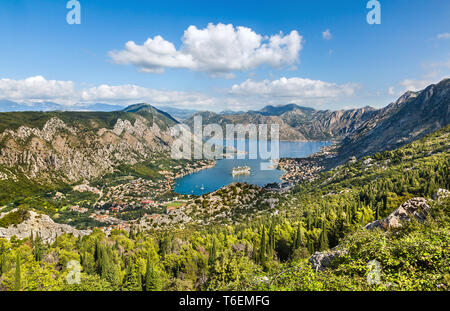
[273, 250]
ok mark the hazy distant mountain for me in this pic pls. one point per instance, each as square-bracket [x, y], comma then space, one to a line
[232, 112]
[9, 106]
[6, 106]
[100, 107]
[178, 113]
[279, 110]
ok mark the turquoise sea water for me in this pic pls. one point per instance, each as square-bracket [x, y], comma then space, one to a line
[212, 179]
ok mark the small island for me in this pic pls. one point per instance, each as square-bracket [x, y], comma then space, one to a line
[240, 170]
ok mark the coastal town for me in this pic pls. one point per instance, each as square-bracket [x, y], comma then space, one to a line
[150, 203]
[133, 200]
[299, 170]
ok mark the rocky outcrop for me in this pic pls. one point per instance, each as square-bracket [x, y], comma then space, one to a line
[414, 115]
[417, 208]
[441, 195]
[70, 148]
[363, 131]
[42, 225]
[296, 123]
[321, 260]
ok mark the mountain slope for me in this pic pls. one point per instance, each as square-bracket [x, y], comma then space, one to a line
[296, 123]
[362, 131]
[73, 146]
[414, 115]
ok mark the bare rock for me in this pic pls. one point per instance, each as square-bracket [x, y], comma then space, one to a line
[321, 260]
[417, 208]
[441, 195]
[42, 225]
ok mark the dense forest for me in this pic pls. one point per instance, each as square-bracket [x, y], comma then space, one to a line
[271, 252]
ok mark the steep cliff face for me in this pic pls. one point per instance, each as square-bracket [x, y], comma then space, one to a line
[361, 131]
[296, 123]
[414, 115]
[329, 124]
[72, 147]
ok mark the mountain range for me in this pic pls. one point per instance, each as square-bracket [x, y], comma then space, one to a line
[296, 123]
[70, 146]
[10, 106]
[412, 116]
[359, 131]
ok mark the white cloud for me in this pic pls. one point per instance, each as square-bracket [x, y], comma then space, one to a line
[131, 94]
[414, 85]
[215, 49]
[326, 35]
[312, 93]
[247, 95]
[391, 90]
[434, 72]
[39, 89]
[36, 89]
[294, 88]
[445, 35]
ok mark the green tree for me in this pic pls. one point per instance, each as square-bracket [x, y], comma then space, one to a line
[323, 242]
[152, 278]
[213, 253]
[110, 271]
[17, 277]
[132, 280]
[3, 264]
[262, 249]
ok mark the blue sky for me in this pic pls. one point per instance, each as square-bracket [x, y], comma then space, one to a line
[43, 58]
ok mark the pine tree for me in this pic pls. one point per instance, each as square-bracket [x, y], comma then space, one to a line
[298, 240]
[3, 263]
[98, 257]
[271, 249]
[132, 280]
[17, 277]
[110, 272]
[254, 253]
[152, 278]
[262, 252]
[213, 253]
[37, 247]
[164, 246]
[311, 246]
[323, 242]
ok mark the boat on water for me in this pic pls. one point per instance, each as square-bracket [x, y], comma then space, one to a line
[240, 170]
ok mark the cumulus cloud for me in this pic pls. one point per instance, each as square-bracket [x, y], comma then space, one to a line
[133, 93]
[215, 49]
[247, 95]
[445, 35]
[36, 89]
[39, 89]
[294, 88]
[326, 35]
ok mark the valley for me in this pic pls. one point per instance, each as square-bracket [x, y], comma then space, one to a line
[101, 189]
